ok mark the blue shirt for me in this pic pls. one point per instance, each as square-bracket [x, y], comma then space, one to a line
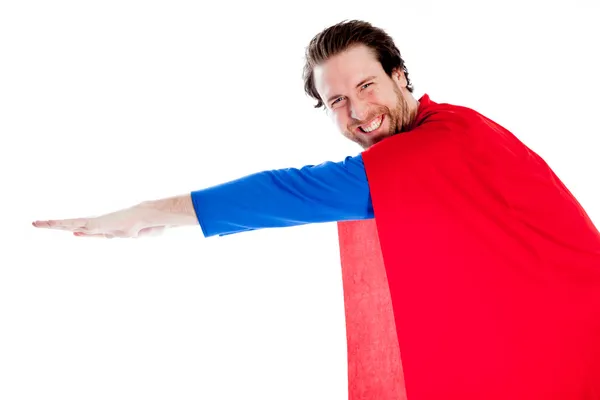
[328, 192]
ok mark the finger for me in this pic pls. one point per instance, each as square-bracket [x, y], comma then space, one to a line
[64, 224]
[152, 231]
[94, 235]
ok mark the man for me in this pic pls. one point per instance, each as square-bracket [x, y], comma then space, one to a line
[492, 266]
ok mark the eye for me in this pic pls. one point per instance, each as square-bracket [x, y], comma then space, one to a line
[337, 101]
[366, 85]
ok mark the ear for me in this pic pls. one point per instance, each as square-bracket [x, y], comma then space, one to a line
[399, 78]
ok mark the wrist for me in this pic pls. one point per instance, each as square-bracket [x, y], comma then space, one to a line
[173, 211]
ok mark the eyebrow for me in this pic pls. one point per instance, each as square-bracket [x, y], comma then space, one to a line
[358, 85]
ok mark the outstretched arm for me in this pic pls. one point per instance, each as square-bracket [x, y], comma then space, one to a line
[323, 193]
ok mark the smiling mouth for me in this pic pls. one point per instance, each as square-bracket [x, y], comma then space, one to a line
[372, 126]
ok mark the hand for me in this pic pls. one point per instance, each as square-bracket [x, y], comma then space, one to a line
[133, 222]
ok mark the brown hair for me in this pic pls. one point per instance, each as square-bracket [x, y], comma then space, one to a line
[340, 37]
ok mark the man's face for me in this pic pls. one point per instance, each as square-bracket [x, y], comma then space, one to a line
[365, 103]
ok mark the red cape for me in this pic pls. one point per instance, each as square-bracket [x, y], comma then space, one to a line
[481, 278]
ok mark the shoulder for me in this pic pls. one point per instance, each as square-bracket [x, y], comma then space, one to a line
[440, 130]
[450, 116]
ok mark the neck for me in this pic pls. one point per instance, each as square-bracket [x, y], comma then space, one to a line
[412, 106]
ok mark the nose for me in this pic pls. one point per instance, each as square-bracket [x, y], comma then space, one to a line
[359, 110]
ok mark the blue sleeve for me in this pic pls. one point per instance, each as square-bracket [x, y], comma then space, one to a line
[328, 192]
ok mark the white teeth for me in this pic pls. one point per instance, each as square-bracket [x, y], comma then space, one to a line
[374, 125]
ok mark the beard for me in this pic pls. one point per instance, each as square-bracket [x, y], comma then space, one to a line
[399, 120]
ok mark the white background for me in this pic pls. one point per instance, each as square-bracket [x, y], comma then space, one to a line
[106, 104]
